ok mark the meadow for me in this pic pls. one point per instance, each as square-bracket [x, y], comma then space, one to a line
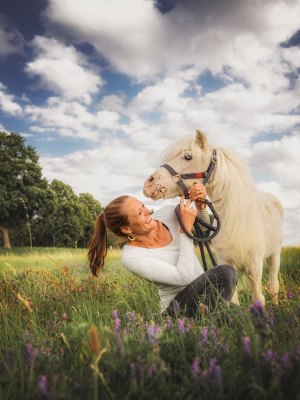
[65, 334]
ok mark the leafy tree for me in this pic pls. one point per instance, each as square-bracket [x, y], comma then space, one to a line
[23, 190]
[72, 222]
[91, 208]
[66, 224]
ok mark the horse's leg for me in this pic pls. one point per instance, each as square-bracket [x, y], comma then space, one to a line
[235, 298]
[274, 265]
[255, 269]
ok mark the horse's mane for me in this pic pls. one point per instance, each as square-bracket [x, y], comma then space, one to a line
[239, 203]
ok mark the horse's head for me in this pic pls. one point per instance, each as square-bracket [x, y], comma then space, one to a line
[187, 156]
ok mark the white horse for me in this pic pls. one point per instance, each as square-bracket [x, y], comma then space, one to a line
[251, 220]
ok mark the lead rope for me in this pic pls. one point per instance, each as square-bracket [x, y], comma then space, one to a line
[201, 237]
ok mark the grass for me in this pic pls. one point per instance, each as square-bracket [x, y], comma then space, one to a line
[40, 258]
[67, 335]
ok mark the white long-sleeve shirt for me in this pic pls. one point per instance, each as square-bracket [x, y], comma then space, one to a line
[171, 267]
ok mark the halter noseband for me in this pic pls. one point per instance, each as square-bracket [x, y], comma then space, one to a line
[193, 175]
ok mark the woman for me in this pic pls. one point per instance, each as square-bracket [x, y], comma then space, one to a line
[158, 250]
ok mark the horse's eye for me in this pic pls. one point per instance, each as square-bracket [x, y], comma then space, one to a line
[187, 157]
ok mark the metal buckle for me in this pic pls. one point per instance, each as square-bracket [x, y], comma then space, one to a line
[177, 176]
[214, 159]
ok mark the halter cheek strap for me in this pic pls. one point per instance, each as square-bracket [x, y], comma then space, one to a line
[179, 178]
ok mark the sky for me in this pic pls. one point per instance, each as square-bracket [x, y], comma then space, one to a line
[100, 88]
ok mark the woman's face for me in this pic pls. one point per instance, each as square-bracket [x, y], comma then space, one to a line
[139, 217]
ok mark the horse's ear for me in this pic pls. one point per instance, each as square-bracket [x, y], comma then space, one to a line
[201, 139]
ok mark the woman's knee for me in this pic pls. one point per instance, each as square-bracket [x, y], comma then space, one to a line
[230, 274]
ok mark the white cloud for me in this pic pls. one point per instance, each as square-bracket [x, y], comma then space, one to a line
[106, 171]
[141, 42]
[7, 102]
[113, 103]
[237, 41]
[63, 70]
[280, 158]
[163, 96]
[122, 31]
[70, 118]
[232, 116]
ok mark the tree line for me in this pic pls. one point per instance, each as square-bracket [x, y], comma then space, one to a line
[36, 212]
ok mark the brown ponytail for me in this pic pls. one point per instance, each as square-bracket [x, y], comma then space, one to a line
[113, 218]
[98, 245]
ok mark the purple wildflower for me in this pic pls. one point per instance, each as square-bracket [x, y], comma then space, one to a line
[213, 332]
[117, 325]
[43, 385]
[271, 317]
[269, 356]
[286, 360]
[151, 370]
[62, 353]
[181, 326]
[204, 334]
[117, 322]
[246, 345]
[153, 331]
[133, 370]
[257, 309]
[176, 305]
[196, 367]
[214, 372]
[31, 354]
[290, 294]
[169, 323]
[131, 316]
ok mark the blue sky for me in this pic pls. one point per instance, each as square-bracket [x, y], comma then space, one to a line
[100, 88]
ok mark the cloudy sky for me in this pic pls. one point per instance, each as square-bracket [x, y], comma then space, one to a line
[100, 88]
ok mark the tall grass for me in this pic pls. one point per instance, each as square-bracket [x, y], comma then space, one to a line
[67, 335]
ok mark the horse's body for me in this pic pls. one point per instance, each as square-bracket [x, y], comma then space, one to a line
[251, 229]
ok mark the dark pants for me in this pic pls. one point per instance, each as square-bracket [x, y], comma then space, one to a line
[215, 284]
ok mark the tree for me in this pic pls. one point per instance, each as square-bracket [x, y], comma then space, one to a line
[66, 224]
[91, 208]
[23, 190]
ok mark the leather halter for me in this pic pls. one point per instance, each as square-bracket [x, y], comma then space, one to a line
[193, 175]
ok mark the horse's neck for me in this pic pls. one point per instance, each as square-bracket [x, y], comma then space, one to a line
[230, 187]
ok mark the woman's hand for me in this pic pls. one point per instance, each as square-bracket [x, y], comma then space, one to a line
[188, 214]
[197, 193]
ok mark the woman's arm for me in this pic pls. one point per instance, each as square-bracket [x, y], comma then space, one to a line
[156, 270]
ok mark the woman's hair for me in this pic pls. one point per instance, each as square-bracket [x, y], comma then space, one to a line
[113, 218]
